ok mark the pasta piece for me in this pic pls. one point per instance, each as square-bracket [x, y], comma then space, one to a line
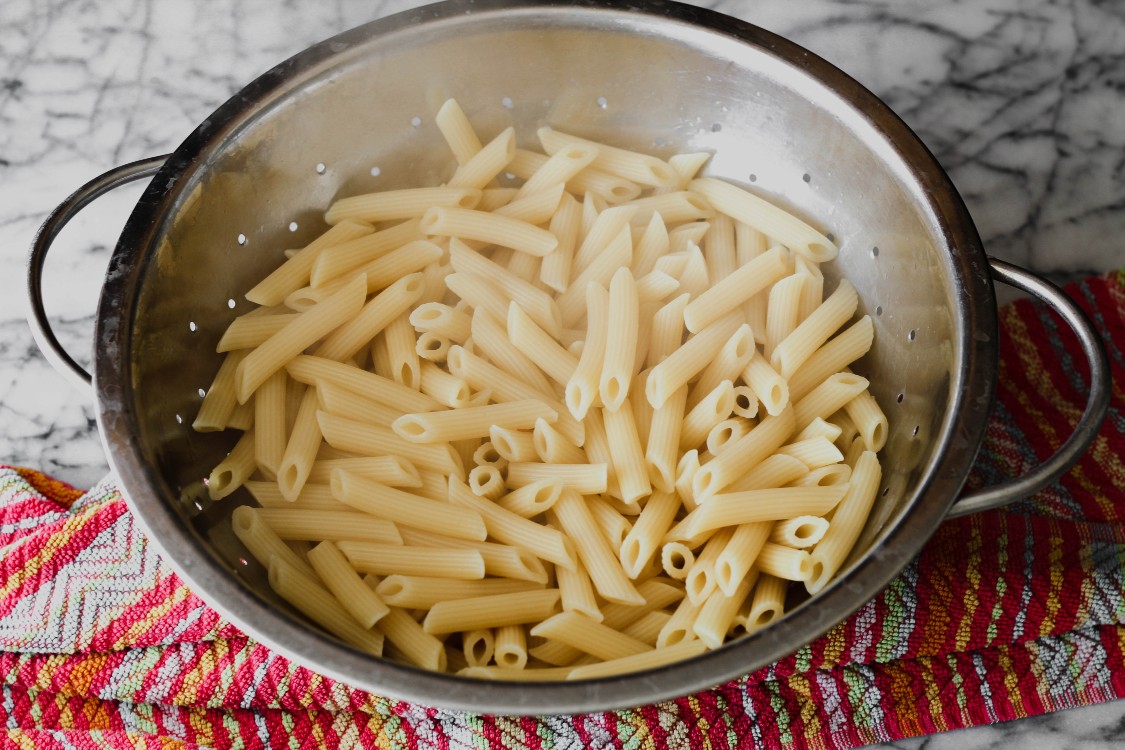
[334, 262]
[577, 592]
[532, 499]
[306, 595]
[421, 592]
[262, 543]
[221, 397]
[565, 224]
[647, 660]
[537, 304]
[651, 245]
[589, 181]
[814, 452]
[378, 314]
[686, 470]
[407, 509]
[540, 346]
[610, 519]
[846, 522]
[719, 249]
[491, 336]
[608, 225]
[617, 253]
[573, 516]
[382, 559]
[562, 165]
[734, 563]
[781, 311]
[312, 497]
[471, 422]
[582, 390]
[443, 320]
[869, 419]
[728, 364]
[300, 451]
[674, 207]
[431, 347]
[338, 576]
[316, 524]
[486, 481]
[718, 613]
[825, 476]
[346, 403]
[679, 628]
[635, 167]
[515, 530]
[442, 387]
[581, 632]
[812, 293]
[745, 402]
[819, 428]
[483, 166]
[828, 397]
[686, 166]
[776, 504]
[457, 131]
[587, 479]
[667, 330]
[511, 647]
[726, 433]
[770, 388]
[620, 343]
[269, 418]
[307, 328]
[626, 453]
[775, 471]
[743, 455]
[597, 449]
[799, 532]
[493, 228]
[400, 204]
[710, 410]
[694, 278]
[766, 218]
[664, 441]
[479, 646]
[832, 357]
[513, 445]
[701, 579]
[310, 370]
[553, 448]
[687, 361]
[815, 330]
[233, 470]
[246, 331]
[784, 562]
[676, 558]
[732, 291]
[492, 611]
[296, 272]
[374, 440]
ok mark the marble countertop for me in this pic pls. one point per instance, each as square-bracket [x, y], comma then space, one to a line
[1020, 100]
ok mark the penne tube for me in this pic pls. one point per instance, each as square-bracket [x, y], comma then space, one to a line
[577, 592]
[486, 481]
[582, 390]
[819, 428]
[316, 524]
[491, 337]
[297, 271]
[471, 422]
[686, 166]
[406, 508]
[342, 402]
[435, 317]
[500, 560]
[478, 645]
[814, 452]
[868, 418]
[735, 561]
[674, 208]
[781, 310]
[431, 347]
[694, 278]
[589, 181]
[310, 370]
[478, 293]
[851, 344]
[483, 166]
[421, 592]
[374, 440]
[234, 469]
[815, 330]
[511, 647]
[262, 543]
[774, 471]
[442, 387]
[743, 455]
[651, 245]
[509, 528]
[401, 342]
[812, 294]
[537, 304]
[652, 659]
[728, 364]
[635, 167]
[334, 263]
[247, 332]
[610, 519]
[686, 470]
[553, 448]
[731, 292]
[626, 453]
[304, 330]
[493, 228]
[774, 504]
[385, 559]
[745, 402]
[663, 443]
[536, 208]
[457, 131]
[532, 499]
[539, 346]
[338, 576]
[687, 361]
[846, 522]
[597, 449]
[667, 331]
[608, 225]
[400, 204]
[676, 558]
[825, 476]
[767, 218]
[269, 419]
[710, 410]
[770, 388]
[562, 165]
[416, 646]
[380, 313]
[719, 248]
[621, 341]
[581, 632]
[491, 611]
[784, 562]
[618, 253]
[513, 445]
[300, 450]
[573, 516]
[828, 398]
[799, 532]
[312, 497]
[679, 628]
[565, 224]
[701, 579]
[435, 485]
[221, 398]
[306, 594]
[655, 287]
[718, 613]
[587, 479]
[725, 433]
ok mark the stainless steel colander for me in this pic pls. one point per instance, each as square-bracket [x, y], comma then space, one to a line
[355, 114]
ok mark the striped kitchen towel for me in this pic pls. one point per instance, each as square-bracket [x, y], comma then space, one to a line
[1004, 614]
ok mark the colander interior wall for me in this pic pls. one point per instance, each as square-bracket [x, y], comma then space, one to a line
[357, 114]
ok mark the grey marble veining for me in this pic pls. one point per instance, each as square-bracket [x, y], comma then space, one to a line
[1022, 101]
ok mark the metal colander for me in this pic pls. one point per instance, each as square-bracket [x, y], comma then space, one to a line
[355, 114]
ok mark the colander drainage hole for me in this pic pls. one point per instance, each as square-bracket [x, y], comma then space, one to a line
[320, 168]
[875, 252]
[292, 226]
[886, 490]
[231, 303]
[242, 239]
[753, 177]
[806, 177]
[201, 393]
[179, 419]
[507, 102]
[914, 434]
[901, 395]
[415, 121]
[242, 561]
[191, 326]
[603, 103]
[912, 335]
[878, 310]
[716, 127]
[375, 171]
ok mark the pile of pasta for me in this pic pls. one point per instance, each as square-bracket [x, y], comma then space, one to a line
[592, 424]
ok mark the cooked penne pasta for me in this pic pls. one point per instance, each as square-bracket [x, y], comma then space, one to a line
[483, 166]
[297, 270]
[406, 508]
[340, 578]
[306, 594]
[400, 204]
[472, 422]
[588, 479]
[316, 524]
[621, 341]
[602, 565]
[493, 228]
[491, 611]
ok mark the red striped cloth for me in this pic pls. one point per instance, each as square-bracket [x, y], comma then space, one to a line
[1004, 614]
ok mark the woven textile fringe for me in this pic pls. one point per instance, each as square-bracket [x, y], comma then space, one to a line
[1005, 614]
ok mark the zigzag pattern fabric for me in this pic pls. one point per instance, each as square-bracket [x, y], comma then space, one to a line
[1004, 614]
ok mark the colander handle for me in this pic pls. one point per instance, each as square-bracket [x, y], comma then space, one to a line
[41, 329]
[1097, 403]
